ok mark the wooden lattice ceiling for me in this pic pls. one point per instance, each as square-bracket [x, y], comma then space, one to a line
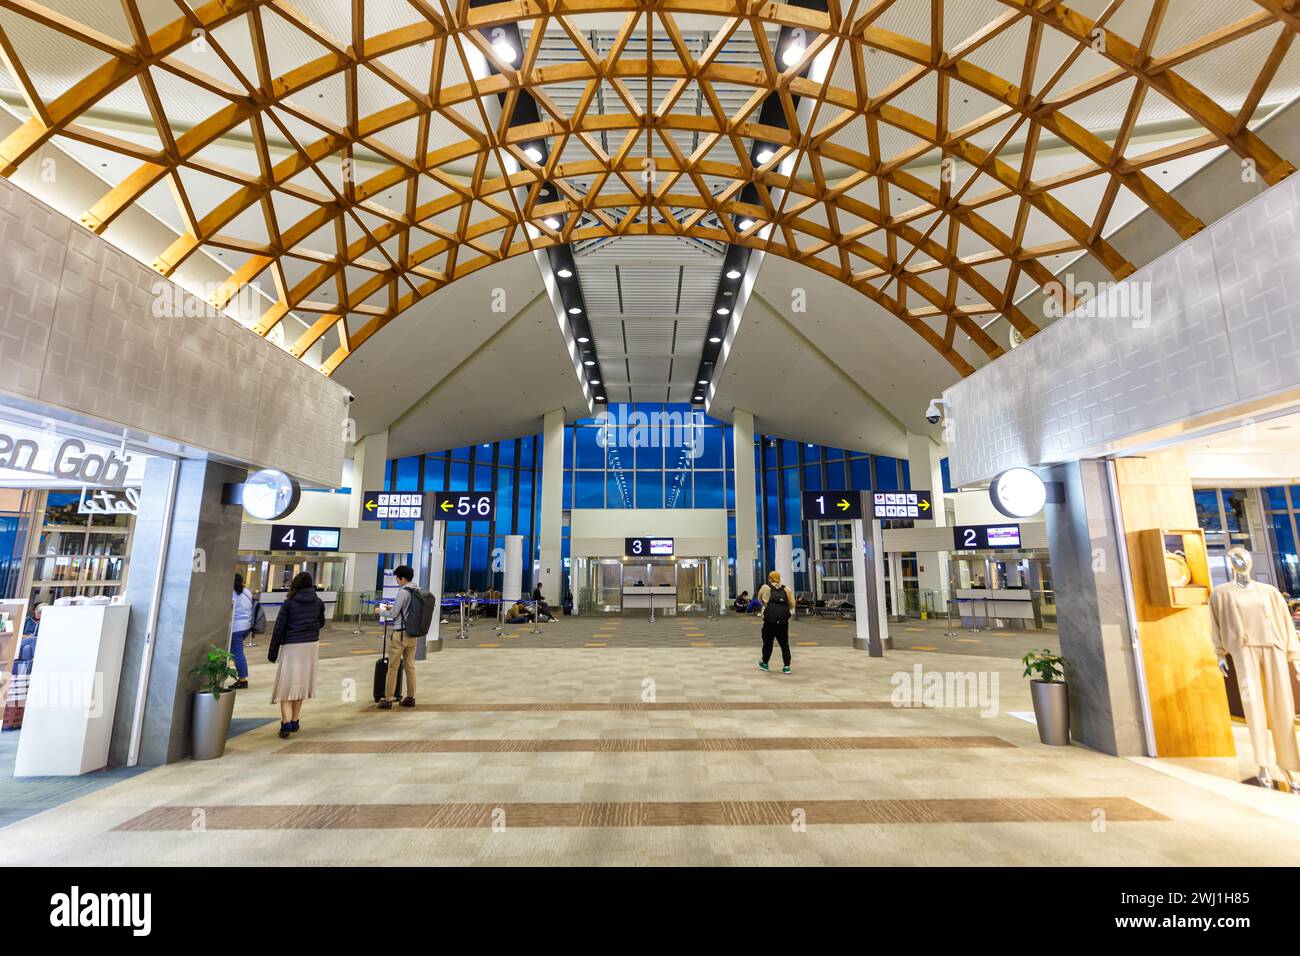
[465, 201]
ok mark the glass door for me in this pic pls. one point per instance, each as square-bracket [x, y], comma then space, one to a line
[609, 585]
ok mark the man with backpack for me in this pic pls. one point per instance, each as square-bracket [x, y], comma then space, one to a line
[777, 608]
[409, 613]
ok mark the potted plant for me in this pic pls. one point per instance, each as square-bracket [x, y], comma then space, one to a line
[213, 704]
[1051, 696]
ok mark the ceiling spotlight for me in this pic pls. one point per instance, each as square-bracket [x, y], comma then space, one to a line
[551, 222]
[565, 273]
[714, 339]
[600, 398]
[583, 340]
[724, 311]
[703, 381]
[746, 224]
[502, 46]
[595, 381]
[794, 52]
[733, 273]
[533, 153]
[575, 311]
[588, 361]
[764, 155]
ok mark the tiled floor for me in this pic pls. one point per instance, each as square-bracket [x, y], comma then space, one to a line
[657, 755]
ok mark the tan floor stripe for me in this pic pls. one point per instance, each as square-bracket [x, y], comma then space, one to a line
[636, 745]
[630, 707]
[726, 813]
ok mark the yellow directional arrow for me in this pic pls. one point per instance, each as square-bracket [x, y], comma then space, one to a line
[370, 505]
[446, 506]
[925, 505]
[844, 505]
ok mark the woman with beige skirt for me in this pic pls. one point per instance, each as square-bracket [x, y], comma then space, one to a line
[295, 644]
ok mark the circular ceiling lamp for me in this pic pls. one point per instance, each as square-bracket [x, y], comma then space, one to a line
[1018, 493]
[270, 494]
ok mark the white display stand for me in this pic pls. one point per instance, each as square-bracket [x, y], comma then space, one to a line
[73, 693]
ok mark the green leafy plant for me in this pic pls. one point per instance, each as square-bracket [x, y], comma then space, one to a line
[215, 670]
[1049, 667]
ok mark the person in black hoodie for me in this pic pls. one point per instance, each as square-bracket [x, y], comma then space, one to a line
[295, 644]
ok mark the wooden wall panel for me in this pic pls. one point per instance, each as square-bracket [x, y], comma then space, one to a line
[1189, 707]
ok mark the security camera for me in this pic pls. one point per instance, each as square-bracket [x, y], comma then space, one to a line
[350, 398]
[933, 411]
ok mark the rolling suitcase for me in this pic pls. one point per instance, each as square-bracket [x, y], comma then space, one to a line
[381, 671]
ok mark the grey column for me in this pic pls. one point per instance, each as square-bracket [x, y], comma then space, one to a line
[1105, 708]
[195, 608]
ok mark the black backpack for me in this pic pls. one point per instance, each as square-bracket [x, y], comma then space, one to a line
[419, 613]
[778, 604]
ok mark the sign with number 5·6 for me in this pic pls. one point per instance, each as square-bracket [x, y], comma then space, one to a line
[464, 505]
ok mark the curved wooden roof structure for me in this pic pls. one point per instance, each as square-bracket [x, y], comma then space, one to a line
[400, 192]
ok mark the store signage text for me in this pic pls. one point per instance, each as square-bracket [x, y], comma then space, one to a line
[69, 460]
[109, 501]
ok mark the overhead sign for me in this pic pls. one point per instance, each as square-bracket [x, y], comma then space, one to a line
[391, 505]
[109, 501]
[27, 453]
[301, 537]
[980, 537]
[820, 505]
[464, 505]
[648, 547]
[902, 504]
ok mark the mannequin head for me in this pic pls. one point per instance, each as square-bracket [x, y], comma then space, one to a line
[1240, 561]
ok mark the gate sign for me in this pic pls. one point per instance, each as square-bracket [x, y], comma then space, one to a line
[981, 537]
[391, 505]
[819, 505]
[464, 505]
[901, 504]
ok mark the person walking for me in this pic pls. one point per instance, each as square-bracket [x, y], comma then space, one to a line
[401, 649]
[295, 646]
[777, 607]
[241, 625]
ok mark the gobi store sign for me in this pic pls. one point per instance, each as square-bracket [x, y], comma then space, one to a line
[37, 457]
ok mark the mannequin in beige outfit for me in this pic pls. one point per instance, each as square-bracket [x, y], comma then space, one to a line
[1251, 622]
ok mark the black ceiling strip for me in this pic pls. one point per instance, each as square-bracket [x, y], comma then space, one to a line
[618, 284]
[735, 261]
[560, 256]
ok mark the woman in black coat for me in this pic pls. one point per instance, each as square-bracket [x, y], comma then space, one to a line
[295, 645]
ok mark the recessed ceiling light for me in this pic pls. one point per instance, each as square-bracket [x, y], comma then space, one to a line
[703, 381]
[551, 222]
[503, 47]
[565, 273]
[533, 153]
[733, 273]
[746, 224]
[583, 340]
[714, 339]
[589, 362]
[595, 381]
[724, 311]
[575, 311]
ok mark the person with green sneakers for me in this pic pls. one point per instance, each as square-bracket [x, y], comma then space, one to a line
[777, 606]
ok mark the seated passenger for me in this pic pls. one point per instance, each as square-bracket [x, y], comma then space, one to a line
[518, 614]
[742, 603]
[33, 621]
[755, 605]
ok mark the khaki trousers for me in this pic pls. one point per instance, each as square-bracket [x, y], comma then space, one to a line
[1265, 682]
[401, 653]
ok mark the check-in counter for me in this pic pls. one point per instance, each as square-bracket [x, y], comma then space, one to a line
[639, 596]
[272, 601]
[1008, 604]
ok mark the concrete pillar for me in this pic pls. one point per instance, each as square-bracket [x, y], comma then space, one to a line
[369, 457]
[742, 433]
[784, 547]
[924, 459]
[512, 578]
[196, 546]
[1092, 613]
[550, 537]
[869, 587]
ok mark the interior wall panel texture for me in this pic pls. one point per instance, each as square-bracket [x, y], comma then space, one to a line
[78, 331]
[1222, 330]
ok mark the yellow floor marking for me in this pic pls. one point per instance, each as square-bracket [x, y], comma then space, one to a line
[921, 647]
[914, 629]
[806, 643]
[360, 652]
[596, 645]
[489, 645]
[967, 640]
[700, 644]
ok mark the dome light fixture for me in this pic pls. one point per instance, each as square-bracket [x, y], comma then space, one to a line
[565, 273]
[764, 156]
[714, 339]
[1018, 493]
[733, 273]
[746, 223]
[533, 153]
[795, 50]
[724, 311]
[575, 311]
[502, 47]
[583, 340]
[551, 222]
[588, 362]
